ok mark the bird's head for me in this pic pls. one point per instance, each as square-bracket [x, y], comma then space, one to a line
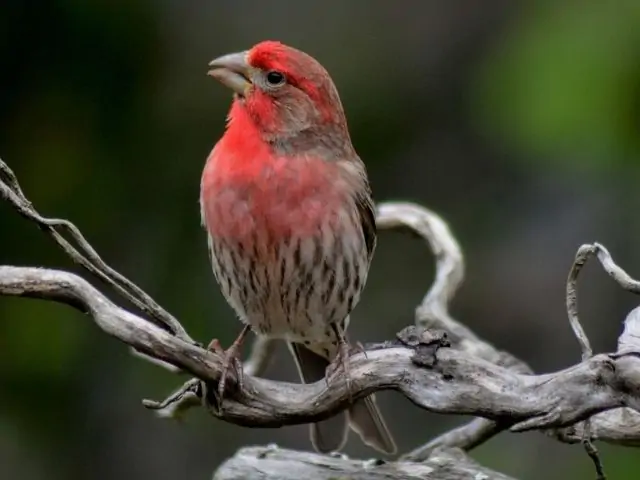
[281, 90]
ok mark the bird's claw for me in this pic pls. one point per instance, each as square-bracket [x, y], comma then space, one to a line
[341, 361]
[359, 348]
[231, 361]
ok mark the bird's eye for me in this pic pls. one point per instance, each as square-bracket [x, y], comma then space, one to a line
[275, 79]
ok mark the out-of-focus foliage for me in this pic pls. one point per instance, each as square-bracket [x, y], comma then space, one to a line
[487, 112]
[571, 73]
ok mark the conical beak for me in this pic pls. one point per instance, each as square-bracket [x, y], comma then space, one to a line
[232, 70]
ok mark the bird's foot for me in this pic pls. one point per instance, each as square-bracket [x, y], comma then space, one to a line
[231, 365]
[341, 361]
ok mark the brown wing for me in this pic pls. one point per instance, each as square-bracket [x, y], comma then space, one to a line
[366, 210]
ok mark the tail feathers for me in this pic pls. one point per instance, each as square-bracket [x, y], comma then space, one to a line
[367, 421]
[363, 417]
[328, 435]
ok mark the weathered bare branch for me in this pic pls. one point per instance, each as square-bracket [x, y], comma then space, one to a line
[87, 257]
[465, 437]
[627, 339]
[583, 254]
[433, 312]
[441, 380]
[189, 395]
[598, 398]
[271, 463]
[583, 340]
[618, 427]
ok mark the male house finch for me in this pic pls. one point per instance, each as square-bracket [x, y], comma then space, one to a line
[286, 204]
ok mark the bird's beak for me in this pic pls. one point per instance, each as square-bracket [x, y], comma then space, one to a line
[232, 70]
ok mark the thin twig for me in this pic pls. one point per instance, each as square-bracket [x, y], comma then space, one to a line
[465, 437]
[621, 277]
[189, 395]
[433, 311]
[624, 280]
[592, 451]
[87, 257]
[582, 255]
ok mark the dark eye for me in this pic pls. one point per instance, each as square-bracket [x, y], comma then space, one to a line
[275, 79]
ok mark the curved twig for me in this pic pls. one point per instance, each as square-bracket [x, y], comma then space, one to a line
[87, 257]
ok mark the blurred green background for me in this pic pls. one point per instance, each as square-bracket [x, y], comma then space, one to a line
[518, 121]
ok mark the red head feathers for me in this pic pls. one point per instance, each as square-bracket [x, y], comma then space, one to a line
[282, 90]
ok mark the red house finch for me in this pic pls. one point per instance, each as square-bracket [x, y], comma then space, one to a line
[287, 207]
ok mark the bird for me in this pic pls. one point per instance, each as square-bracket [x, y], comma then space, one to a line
[287, 207]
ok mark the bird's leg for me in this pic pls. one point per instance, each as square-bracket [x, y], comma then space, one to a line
[231, 360]
[342, 358]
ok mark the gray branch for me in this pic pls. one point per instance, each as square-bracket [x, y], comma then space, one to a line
[273, 462]
[433, 376]
[439, 364]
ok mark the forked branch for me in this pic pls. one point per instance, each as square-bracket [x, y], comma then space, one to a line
[439, 364]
